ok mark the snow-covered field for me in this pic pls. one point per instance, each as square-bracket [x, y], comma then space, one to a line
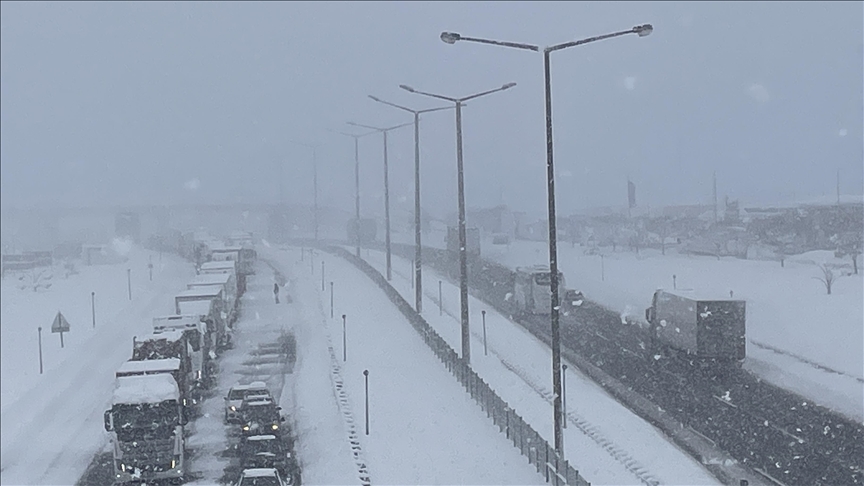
[787, 308]
[52, 423]
[606, 442]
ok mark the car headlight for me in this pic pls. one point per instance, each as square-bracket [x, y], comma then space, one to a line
[233, 408]
[275, 426]
[245, 427]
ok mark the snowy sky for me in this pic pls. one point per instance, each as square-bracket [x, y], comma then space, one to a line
[163, 102]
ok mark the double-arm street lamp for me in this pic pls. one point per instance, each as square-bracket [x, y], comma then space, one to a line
[451, 38]
[314, 182]
[356, 186]
[386, 189]
[463, 257]
[418, 287]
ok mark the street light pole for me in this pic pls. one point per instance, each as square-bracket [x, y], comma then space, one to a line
[451, 38]
[356, 186]
[386, 190]
[418, 277]
[463, 256]
[314, 183]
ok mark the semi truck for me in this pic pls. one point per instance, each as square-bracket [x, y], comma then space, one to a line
[146, 421]
[243, 257]
[698, 326]
[532, 289]
[226, 282]
[227, 266]
[208, 312]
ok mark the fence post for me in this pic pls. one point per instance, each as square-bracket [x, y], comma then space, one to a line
[440, 301]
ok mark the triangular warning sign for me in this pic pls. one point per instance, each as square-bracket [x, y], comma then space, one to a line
[60, 324]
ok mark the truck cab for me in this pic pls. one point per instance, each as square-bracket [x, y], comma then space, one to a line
[146, 423]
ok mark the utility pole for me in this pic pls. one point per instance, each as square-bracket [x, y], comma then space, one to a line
[715, 196]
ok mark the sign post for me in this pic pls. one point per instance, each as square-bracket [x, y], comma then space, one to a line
[366, 376]
[150, 267]
[93, 307]
[344, 341]
[60, 325]
[40, 350]
[129, 281]
[485, 352]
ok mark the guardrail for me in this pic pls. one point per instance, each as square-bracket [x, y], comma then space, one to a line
[548, 463]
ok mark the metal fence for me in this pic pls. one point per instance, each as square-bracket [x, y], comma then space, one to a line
[548, 463]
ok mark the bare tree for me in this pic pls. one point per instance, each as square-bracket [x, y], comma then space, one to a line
[828, 277]
[35, 280]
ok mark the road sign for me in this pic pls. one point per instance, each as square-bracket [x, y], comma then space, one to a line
[60, 324]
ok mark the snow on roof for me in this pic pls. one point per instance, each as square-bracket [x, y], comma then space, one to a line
[149, 366]
[225, 264]
[255, 385]
[225, 249]
[178, 322]
[196, 307]
[206, 291]
[167, 334]
[261, 437]
[260, 472]
[259, 403]
[145, 389]
[694, 294]
[211, 279]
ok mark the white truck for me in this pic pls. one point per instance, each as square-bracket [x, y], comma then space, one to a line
[228, 283]
[532, 289]
[146, 422]
[209, 302]
[226, 266]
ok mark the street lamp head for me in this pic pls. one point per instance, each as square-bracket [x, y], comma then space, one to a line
[376, 99]
[407, 88]
[450, 37]
[508, 85]
[643, 30]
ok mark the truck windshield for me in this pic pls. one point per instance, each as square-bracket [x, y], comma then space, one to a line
[145, 420]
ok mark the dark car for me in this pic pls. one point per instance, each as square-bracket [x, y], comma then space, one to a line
[267, 451]
[260, 417]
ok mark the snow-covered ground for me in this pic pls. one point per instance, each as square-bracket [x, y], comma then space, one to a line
[793, 326]
[52, 423]
[606, 442]
[423, 427]
[787, 308]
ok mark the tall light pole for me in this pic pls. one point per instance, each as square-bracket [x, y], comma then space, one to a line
[463, 256]
[386, 189]
[418, 276]
[314, 182]
[356, 186]
[451, 38]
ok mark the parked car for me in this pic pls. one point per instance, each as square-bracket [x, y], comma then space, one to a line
[261, 477]
[236, 395]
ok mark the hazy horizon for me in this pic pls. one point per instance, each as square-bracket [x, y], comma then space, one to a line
[195, 103]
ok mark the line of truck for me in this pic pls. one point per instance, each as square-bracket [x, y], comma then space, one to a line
[158, 390]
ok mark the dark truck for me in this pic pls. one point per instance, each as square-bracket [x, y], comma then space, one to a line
[707, 329]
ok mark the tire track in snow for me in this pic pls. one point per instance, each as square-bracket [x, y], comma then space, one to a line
[66, 454]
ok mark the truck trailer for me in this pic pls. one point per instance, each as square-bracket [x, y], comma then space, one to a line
[226, 282]
[700, 327]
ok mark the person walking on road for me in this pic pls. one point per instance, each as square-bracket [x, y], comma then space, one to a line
[276, 292]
